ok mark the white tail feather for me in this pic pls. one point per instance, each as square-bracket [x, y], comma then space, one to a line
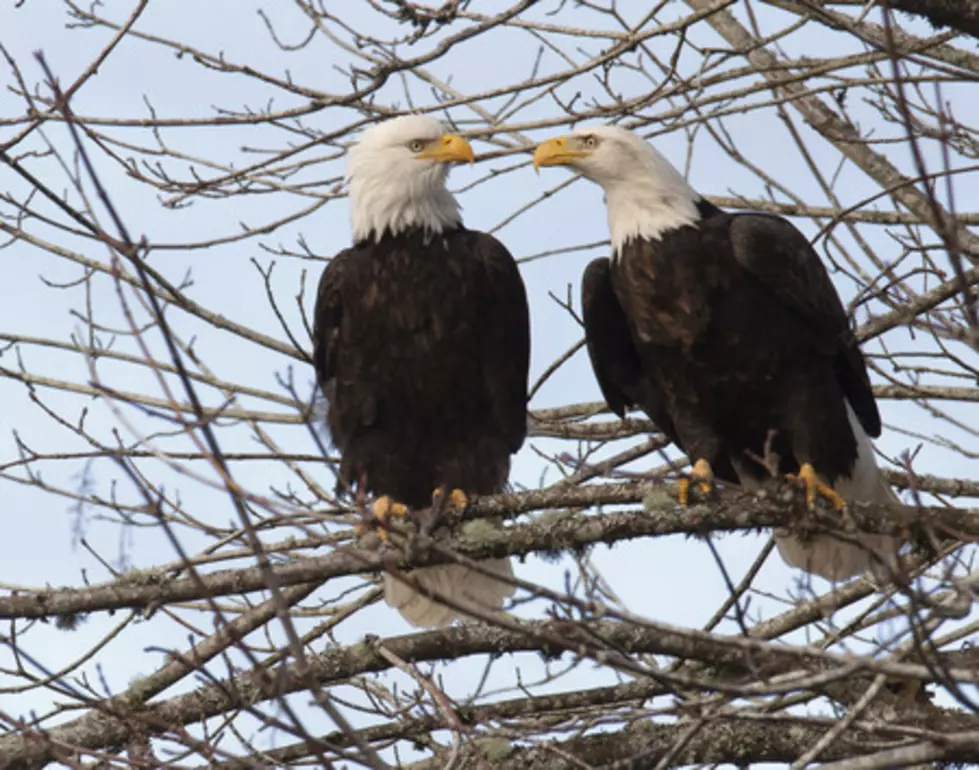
[457, 583]
[833, 559]
[825, 555]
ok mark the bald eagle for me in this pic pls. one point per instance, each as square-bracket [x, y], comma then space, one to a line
[421, 344]
[724, 327]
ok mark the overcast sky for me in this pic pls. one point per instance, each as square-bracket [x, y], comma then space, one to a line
[670, 579]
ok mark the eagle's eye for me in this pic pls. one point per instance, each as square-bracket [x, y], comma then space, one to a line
[416, 145]
[589, 142]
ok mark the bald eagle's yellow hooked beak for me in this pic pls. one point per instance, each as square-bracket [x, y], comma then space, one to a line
[449, 148]
[556, 152]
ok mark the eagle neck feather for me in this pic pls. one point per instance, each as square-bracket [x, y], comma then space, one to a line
[380, 205]
[647, 213]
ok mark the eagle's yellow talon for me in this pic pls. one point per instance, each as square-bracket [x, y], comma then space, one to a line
[384, 507]
[683, 492]
[816, 486]
[702, 474]
[457, 499]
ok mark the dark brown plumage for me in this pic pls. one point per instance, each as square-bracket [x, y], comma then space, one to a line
[734, 346]
[737, 330]
[421, 346]
[726, 329]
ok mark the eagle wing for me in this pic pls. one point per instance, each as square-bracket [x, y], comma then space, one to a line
[505, 339]
[614, 357]
[778, 255]
[327, 318]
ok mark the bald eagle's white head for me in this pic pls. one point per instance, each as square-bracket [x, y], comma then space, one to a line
[397, 173]
[645, 195]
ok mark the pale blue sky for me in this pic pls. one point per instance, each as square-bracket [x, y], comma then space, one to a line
[38, 547]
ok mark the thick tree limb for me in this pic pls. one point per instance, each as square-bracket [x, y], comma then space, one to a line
[732, 512]
[721, 741]
[736, 664]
